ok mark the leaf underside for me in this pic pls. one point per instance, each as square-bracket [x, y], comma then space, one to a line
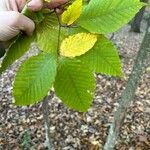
[17, 50]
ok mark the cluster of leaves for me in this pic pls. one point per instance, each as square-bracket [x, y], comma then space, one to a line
[73, 48]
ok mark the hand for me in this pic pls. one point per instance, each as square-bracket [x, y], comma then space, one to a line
[53, 4]
[12, 21]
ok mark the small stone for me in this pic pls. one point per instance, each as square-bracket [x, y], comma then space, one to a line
[21, 129]
[84, 128]
[88, 119]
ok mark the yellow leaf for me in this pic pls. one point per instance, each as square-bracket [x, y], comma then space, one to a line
[77, 44]
[72, 13]
[47, 1]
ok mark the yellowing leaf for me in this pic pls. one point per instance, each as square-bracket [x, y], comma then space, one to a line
[72, 13]
[48, 1]
[77, 44]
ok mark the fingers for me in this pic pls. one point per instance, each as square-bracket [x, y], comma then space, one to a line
[14, 22]
[20, 4]
[7, 33]
[23, 23]
[3, 5]
[17, 5]
[56, 3]
[11, 5]
[35, 5]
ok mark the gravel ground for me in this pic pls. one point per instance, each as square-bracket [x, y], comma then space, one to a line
[23, 128]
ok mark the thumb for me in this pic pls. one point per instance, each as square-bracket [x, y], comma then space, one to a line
[11, 24]
[25, 24]
[21, 22]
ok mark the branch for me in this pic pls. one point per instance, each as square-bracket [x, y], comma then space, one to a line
[48, 141]
[128, 94]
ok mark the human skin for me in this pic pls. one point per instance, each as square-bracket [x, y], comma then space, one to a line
[12, 21]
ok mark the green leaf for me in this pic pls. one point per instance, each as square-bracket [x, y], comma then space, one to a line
[103, 58]
[105, 16]
[75, 84]
[37, 17]
[47, 34]
[34, 79]
[18, 49]
[72, 31]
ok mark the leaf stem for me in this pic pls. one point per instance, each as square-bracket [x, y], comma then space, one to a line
[59, 31]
